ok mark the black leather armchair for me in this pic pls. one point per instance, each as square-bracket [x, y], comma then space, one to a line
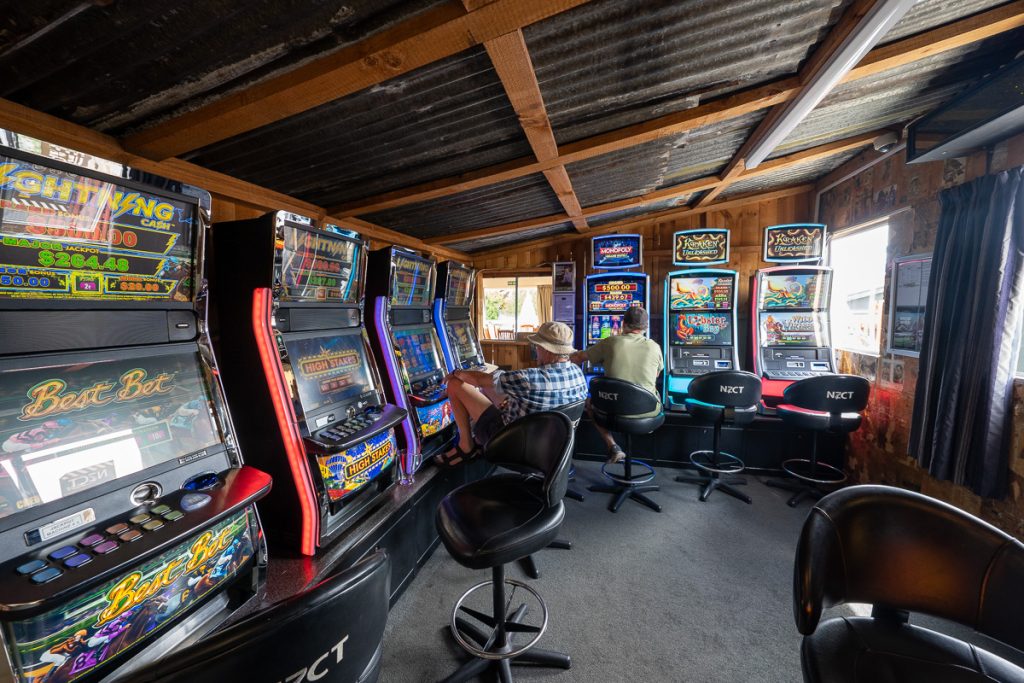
[332, 633]
[904, 552]
[503, 518]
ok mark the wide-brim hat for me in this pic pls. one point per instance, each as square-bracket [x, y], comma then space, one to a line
[554, 336]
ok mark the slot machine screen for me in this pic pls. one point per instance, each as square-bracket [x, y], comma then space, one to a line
[603, 325]
[413, 283]
[794, 291]
[700, 329]
[318, 267]
[701, 293]
[788, 328]
[64, 235]
[464, 336]
[329, 369]
[460, 287]
[419, 354]
[615, 295]
[76, 424]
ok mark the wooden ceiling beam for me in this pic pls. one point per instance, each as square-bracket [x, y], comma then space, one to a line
[423, 39]
[511, 59]
[904, 51]
[21, 119]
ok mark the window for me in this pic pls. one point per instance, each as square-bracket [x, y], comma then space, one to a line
[515, 304]
[858, 260]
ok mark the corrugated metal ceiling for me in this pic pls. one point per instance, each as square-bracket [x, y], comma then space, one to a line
[484, 243]
[794, 175]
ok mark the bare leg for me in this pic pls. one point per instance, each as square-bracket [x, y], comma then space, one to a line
[609, 440]
[467, 405]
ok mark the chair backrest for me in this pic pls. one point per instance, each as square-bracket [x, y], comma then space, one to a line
[540, 442]
[573, 411]
[332, 633]
[906, 551]
[731, 388]
[618, 397]
[829, 393]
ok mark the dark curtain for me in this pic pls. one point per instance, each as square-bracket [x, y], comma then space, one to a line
[962, 406]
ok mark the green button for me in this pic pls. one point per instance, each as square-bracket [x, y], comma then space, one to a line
[152, 525]
[139, 519]
[174, 515]
[161, 509]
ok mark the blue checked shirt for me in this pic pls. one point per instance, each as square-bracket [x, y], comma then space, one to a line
[532, 390]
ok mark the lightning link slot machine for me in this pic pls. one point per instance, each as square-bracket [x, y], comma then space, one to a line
[607, 296]
[406, 344]
[127, 517]
[460, 344]
[299, 372]
[790, 320]
[700, 312]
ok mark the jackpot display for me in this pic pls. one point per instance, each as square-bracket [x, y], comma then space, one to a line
[700, 329]
[299, 373]
[790, 327]
[124, 501]
[64, 235]
[406, 328]
[616, 251]
[607, 297]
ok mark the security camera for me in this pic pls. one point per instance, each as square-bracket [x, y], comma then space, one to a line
[885, 142]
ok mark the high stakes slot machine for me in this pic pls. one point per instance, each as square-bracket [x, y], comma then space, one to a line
[700, 329]
[127, 517]
[401, 289]
[460, 344]
[298, 371]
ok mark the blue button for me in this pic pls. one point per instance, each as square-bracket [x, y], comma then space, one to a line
[31, 567]
[77, 561]
[48, 574]
[61, 553]
[194, 501]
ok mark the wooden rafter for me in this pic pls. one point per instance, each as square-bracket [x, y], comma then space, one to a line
[428, 37]
[511, 59]
[21, 119]
[675, 191]
[935, 41]
[818, 60]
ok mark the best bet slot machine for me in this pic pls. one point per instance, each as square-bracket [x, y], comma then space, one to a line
[607, 296]
[299, 374]
[127, 517]
[401, 289]
[460, 344]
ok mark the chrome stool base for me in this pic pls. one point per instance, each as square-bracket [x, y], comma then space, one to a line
[628, 485]
[714, 467]
[810, 476]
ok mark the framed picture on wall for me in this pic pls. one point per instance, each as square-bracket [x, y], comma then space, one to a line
[563, 276]
[908, 297]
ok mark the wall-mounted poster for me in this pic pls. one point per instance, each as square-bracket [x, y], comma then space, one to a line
[909, 296]
[563, 276]
[704, 247]
[794, 243]
[616, 251]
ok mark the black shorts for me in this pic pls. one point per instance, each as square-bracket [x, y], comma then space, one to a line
[487, 425]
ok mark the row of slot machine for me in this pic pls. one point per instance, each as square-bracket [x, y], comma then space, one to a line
[161, 375]
[789, 320]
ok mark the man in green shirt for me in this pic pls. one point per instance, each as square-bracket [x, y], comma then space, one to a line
[629, 356]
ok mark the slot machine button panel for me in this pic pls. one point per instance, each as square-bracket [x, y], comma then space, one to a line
[105, 547]
[194, 501]
[77, 560]
[48, 574]
[131, 535]
[31, 567]
[174, 515]
[117, 529]
[153, 524]
[141, 518]
[161, 509]
[63, 552]
[91, 540]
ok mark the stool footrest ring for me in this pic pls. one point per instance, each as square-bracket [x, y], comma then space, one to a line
[817, 473]
[725, 463]
[510, 653]
[635, 480]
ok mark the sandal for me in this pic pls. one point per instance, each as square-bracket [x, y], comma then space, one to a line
[615, 455]
[457, 456]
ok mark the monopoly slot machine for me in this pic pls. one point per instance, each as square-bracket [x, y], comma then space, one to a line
[607, 296]
[127, 517]
[407, 347]
[790, 312]
[299, 373]
[460, 344]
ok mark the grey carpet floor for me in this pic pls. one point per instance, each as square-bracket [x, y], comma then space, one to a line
[699, 592]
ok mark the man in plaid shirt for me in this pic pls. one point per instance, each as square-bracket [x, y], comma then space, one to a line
[483, 403]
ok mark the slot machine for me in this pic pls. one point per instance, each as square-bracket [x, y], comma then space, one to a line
[460, 343]
[607, 296]
[401, 290]
[127, 517]
[299, 374]
[700, 329]
[791, 327]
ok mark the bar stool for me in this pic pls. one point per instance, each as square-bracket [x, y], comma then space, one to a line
[728, 396]
[623, 407]
[573, 411]
[491, 522]
[826, 403]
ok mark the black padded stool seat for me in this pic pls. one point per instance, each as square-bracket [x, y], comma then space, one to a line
[826, 403]
[497, 520]
[334, 632]
[626, 408]
[501, 519]
[904, 552]
[724, 397]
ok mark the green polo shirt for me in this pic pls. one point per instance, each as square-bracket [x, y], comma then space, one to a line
[629, 357]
